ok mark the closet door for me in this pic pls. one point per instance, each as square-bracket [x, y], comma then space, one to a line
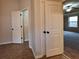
[54, 27]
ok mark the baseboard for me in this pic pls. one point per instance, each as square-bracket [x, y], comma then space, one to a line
[30, 46]
[32, 51]
[39, 56]
[36, 56]
[5, 43]
[26, 40]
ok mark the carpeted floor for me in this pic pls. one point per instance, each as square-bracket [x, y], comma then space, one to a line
[71, 44]
[71, 40]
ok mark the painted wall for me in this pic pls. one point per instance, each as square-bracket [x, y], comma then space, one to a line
[6, 7]
[24, 4]
[38, 17]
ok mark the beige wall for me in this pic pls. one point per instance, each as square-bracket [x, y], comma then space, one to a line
[6, 7]
[24, 4]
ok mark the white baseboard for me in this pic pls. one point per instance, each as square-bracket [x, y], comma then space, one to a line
[26, 40]
[30, 46]
[36, 56]
[5, 43]
[39, 56]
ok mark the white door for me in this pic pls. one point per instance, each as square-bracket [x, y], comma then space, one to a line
[17, 27]
[54, 28]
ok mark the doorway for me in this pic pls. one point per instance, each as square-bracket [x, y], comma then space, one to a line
[20, 26]
[71, 29]
[25, 25]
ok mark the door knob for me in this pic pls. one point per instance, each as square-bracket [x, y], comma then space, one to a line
[44, 32]
[48, 32]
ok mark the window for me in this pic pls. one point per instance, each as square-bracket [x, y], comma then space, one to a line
[73, 21]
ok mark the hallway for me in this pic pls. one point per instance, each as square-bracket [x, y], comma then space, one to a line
[20, 51]
[15, 51]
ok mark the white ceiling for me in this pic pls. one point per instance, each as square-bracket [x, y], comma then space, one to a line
[74, 4]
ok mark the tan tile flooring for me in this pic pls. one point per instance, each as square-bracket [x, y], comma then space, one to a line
[20, 51]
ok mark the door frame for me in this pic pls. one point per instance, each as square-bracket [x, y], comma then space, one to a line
[12, 26]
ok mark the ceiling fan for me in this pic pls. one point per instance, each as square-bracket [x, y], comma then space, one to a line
[71, 7]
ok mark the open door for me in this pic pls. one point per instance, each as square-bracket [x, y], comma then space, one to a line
[54, 27]
[17, 31]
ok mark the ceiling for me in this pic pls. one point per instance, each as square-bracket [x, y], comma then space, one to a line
[71, 6]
